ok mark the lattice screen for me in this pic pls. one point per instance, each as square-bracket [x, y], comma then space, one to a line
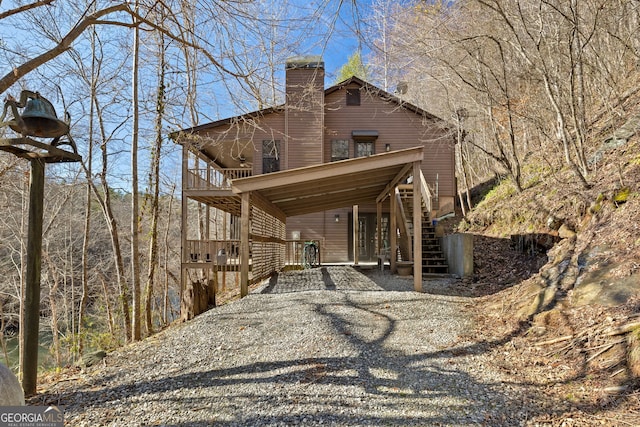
[267, 244]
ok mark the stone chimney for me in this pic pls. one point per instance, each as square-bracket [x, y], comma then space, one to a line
[304, 110]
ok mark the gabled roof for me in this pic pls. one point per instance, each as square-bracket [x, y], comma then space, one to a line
[382, 94]
[279, 108]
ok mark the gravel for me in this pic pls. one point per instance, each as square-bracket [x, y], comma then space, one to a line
[326, 346]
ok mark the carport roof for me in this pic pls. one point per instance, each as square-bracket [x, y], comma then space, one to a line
[332, 185]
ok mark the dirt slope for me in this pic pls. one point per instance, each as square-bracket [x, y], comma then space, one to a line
[557, 273]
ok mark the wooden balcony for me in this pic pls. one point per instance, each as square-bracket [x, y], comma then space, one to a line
[212, 187]
[214, 179]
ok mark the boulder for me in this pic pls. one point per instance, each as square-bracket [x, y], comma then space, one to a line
[93, 358]
[565, 232]
[11, 393]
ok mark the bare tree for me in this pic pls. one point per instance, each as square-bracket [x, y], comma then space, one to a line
[152, 196]
[543, 70]
[135, 209]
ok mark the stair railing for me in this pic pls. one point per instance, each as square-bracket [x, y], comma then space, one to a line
[426, 195]
[405, 238]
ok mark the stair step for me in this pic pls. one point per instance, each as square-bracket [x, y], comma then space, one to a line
[435, 269]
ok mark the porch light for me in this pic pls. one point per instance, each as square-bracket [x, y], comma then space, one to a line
[387, 147]
[337, 217]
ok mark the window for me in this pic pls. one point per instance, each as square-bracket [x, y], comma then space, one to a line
[364, 148]
[339, 149]
[353, 96]
[270, 156]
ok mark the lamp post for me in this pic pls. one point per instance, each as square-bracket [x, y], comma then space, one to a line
[38, 119]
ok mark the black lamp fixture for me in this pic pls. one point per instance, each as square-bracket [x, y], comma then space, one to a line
[337, 217]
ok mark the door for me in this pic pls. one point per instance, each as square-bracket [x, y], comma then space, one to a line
[364, 244]
[367, 235]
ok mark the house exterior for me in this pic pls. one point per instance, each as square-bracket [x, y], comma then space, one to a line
[315, 126]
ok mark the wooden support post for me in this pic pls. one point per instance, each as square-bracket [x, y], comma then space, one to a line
[417, 229]
[379, 229]
[356, 231]
[244, 244]
[31, 308]
[393, 231]
[185, 257]
[185, 204]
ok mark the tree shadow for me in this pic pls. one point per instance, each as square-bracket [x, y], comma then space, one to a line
[380, 380]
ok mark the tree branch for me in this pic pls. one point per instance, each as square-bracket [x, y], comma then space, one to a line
[24, 8]
[12, 77]
[94, 19]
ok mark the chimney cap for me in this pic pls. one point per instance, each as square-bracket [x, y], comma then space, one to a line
[305, 61]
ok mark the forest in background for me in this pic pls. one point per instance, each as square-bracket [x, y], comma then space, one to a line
[535, 89]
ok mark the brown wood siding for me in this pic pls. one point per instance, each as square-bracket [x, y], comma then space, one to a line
[304, 116]
[323, 226]
[309, 142]
[237, 137]
[396, 126]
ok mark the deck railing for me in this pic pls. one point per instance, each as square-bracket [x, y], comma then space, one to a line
[224, 254]
[218, 252]
[295, 253]
[211, 178]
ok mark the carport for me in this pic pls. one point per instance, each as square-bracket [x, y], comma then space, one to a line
[332, 185]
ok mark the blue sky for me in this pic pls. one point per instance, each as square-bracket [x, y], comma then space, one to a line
[332, 37]
[343, 41]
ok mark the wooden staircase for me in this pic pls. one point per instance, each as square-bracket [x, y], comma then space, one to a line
[433, 260]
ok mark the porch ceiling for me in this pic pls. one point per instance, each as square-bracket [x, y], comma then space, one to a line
[330, 185]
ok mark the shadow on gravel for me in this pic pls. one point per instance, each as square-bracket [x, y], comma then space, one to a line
[498, 264]
[382, 381]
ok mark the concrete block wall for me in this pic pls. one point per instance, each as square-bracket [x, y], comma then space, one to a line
[458, 251]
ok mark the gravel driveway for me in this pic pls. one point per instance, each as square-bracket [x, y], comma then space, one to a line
[327, 346]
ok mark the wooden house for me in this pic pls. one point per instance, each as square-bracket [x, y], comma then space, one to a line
[331, 166]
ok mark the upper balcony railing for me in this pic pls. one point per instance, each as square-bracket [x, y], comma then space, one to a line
[214, 179]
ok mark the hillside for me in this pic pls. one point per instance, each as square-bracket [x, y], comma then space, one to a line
[557, 270]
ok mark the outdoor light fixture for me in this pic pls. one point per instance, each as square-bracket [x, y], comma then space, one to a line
[387, 147]
[337, 217]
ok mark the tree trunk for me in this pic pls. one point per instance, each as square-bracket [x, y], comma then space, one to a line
[108, 306]
[135, 209]
[87, 213]
[154, 184]
[167, 272]
[53, 289]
